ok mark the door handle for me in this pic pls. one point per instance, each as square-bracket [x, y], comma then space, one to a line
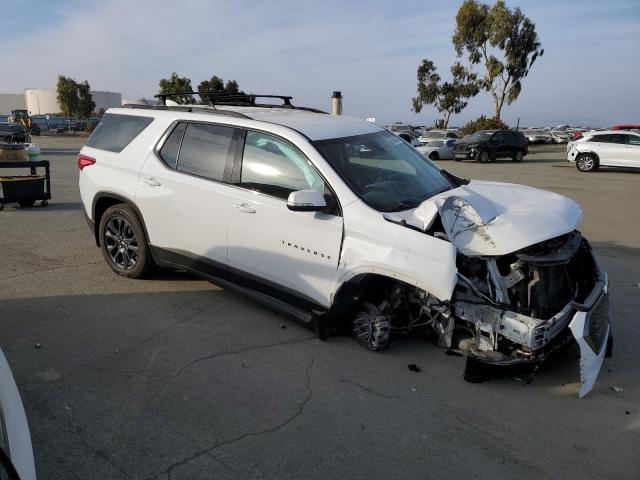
[243, 207]
[152, 181]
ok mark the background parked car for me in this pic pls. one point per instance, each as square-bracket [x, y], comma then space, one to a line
[435, 134]
[485, 145]
[626, 127]
[559, 136]
[539, 136]
[438, 149]
[13, 133]
[615, 148]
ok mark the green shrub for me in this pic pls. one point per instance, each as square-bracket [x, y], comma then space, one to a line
[483, 123]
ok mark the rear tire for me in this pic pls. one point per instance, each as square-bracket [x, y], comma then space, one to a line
[586, 162]
[372, 329]
[26, 203]
[123, 242]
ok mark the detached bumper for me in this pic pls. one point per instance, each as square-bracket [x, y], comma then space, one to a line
[589, 326]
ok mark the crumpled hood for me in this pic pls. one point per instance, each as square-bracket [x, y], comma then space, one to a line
[492, 218]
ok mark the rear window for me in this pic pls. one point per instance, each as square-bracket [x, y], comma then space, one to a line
[115, 131]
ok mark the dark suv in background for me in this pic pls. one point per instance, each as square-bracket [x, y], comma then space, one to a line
[486, 145]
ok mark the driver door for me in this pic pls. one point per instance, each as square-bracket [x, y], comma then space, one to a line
[290, 255]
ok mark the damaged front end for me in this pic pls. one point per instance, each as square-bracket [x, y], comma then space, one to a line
[522, 306]
[528, 282]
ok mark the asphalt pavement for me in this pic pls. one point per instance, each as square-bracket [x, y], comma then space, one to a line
[176, 378]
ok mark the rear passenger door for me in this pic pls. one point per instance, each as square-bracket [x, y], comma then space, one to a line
[290, 255]
[499, 145]
[183, 196]
[609, 148]
[631, 155]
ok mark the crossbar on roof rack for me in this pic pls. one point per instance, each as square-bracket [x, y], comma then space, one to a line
[220, 97]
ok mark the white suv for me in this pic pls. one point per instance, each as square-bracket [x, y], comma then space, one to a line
[612, 148]
[338, 222]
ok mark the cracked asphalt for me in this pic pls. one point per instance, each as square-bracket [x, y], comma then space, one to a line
[174, 378]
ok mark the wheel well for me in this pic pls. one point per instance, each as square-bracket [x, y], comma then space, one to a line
[104, 202]
[366, 287]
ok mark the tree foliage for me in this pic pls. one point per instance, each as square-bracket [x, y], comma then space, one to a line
[447, 97]
[176, 84]
[484, 31]
[217, 85]
[67, 95]
[86, 105]
[75, 98]
[483, 123]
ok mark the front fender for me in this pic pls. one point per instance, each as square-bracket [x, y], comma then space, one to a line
[402, 254]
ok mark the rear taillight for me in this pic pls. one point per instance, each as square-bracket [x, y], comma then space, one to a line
[84, 161]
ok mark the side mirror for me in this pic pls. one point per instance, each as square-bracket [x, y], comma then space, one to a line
[306, 201]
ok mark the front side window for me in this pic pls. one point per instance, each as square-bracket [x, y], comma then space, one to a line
[617, 138]
[204, 149]
[633, 139]
[272, 166]
[382, 170]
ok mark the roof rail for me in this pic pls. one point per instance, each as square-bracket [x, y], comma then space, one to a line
[188, 108]
[238, 99]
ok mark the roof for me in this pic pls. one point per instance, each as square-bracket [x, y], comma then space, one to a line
[316, 126]
[609, 132]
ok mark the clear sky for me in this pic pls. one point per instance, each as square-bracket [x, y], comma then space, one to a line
[368, 49]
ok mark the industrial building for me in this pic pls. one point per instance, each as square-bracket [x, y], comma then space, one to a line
[44, 102]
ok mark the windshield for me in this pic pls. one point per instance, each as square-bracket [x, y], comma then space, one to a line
[383, 170]
[479, 136]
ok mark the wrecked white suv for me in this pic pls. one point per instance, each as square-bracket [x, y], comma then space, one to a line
[338, 222]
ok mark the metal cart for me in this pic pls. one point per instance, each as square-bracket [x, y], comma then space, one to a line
[25, 189]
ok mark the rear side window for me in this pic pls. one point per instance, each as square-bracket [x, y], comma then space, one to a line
[633, 139]
[204, 150]
[115, 131]
[170, 149]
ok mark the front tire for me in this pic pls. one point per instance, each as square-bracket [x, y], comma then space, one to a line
[482, 156]
[518, 156]
[26, 203]
[123, 242]
[586, 162]
[434, 156]
[372, 329]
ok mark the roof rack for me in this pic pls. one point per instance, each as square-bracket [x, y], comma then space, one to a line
[188, 108]
[238, 99]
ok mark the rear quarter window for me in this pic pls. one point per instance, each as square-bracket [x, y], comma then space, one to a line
[115, 131]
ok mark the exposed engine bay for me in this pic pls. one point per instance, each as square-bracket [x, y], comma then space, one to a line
[507, 312]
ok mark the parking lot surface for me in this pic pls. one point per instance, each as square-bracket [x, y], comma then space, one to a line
[176, 378]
